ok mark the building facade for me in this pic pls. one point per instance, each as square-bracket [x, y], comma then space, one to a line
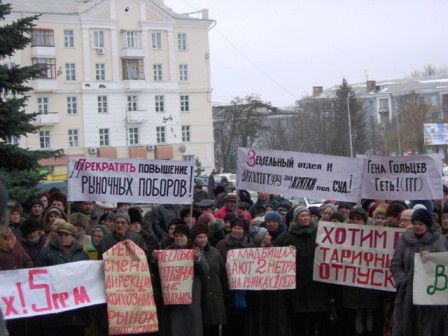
[124, 78]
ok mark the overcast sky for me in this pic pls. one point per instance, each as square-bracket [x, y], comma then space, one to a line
[280, 49]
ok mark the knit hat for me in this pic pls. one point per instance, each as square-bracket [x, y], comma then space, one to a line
[183, 229]
[123, 214]
[217, 225]
[284, 205]
[359, 212]
[273, 216]
[423, 216]
[79, 218]
[135, 215]
[241, 222]
[57, 210]
[61, 225]
[257, 234]
[198, 229]
[36, 201]
[331, 206]
[338, 216]
[299, 210]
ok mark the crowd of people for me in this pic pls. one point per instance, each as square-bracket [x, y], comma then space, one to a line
[51, 232]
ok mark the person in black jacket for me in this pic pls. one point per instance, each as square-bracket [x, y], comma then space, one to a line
[63, 248]
[162, 217]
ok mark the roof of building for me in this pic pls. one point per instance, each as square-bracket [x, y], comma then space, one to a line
[76, 7]
[395, 86]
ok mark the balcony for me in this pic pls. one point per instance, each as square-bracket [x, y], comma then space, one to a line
[43, 51]
[49, 119]
[131, 44]
[134, 84]
[137, 117]
[45, 85]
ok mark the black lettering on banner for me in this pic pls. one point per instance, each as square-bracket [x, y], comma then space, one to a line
[162, 187]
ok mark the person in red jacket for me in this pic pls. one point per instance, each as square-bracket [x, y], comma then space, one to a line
[231, 207]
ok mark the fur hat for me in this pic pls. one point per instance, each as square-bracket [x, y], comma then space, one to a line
[16, 207]
[338, 216]
[183, 229]
[57, 196]
[241, 222]
[314, 210]
[79, 218]
[135, 215]
[331, 206]
[359, 212]
[346, 205]
[423, 216]
[30, 226]
[198, 229]
[107, 215]
[61, 225]
[273, 216]
[394, 210]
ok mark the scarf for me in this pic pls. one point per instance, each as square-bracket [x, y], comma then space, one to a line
[7, 241]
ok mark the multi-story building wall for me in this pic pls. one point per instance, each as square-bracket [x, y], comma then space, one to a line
[124, 78]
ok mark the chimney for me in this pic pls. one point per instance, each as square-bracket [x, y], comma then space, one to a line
[370, 85]
[317, 90]
[204, 14]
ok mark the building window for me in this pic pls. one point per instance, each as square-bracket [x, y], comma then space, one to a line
[72, 105]
[132, 103]
[157, 40]
[100, 71]
[98, 39]
[186, 133]
[102, 104]
[42, 38]
[157, 70]
[73, 138]
[70, 71]
[104, 137]
[183, 72]
[187, 157]
[132, 69]
[49, 70]
[133, 135]
[44, 138]
[185, 103]
[42, 105]
[160, 133]
[132, 39]
[182, 41]
[69, 39]
[384, 105]
[13, 140]
[159, 103]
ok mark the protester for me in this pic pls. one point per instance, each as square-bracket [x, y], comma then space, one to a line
[162, 217]
[63, 248]
[15, 219]
[259, 208]
[211, 185]
[44, 197]
[309, 302]
[91, 211]
[38, 207]
[206, 206]
[273, 222]
[314, 213]
[33, 240]
[229, 207]
[189, 216]
[228, 219]
[337, 217]
[107, 219]
[137, 227]
[243, 210]
[444, 223]
[51, 215]
[57, 200]
[168, 239]
[406, 219]
[344, 208]
[363, 307]
[199, 194]
[98, 232]
[82, 225]
[379, 214]
[393, 213]
[213, 309]
[245, 197]
[410, 319]
[186, 320]
[217, 232]
[121, 232]
[327, 210]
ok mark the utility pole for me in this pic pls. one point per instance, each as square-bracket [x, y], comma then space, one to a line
[349, 124]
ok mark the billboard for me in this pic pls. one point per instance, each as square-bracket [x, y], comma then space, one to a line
[436, 134]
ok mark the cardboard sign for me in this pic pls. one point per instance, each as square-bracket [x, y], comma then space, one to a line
[269, 268]
[130, 301]
[415, 177]
[431, 279]
[176, 269]
[355, 255]
[130, 180]
[300, 174]
[49, 290]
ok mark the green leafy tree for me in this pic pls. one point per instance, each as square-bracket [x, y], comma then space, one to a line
[19, 167]
[341, 138]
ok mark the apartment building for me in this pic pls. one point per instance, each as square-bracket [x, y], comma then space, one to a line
[124, 78]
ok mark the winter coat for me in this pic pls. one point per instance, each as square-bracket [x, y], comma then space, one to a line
[15, 228]
[166, 241]
[408, 319]
[111, 239]
[3, 331]
[211, 185]
[213, 309]
[281, 228]
[163, 214]
[221, 213]
[258, 209]
[12, 254]
[91, 251]
[151, 241]
[228, 244]
[309, 296]
[55, 254]
[199, 196]
[34, 249]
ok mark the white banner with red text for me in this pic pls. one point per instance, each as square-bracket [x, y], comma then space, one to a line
[300, 174]
[270, 268]
[48, 290]
[130, 180]
[355, 255]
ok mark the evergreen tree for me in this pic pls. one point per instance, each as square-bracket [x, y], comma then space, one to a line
[198, 170]
[341, 139]
[19, 168]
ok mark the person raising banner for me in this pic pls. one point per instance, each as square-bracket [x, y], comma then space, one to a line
[409, 319]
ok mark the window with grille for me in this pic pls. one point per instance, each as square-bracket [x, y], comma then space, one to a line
[73, 139]
[42, 105]
[160, 134]
[102, 104]
[185, 103]
[132, 103]
[42, 38]
[100, 71]
[159, 103]
[69, 39]
[133, 136]
[98, 39]
[157, 72]
[132, 69]
[44, 138]
[186, 133]
[156, 40]
[48, 67]
[72, 105]
[70, 71]
[183, 72]
[104, 137]
[182, 41]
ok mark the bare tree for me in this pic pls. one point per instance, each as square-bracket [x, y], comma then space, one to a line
[430, 70]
